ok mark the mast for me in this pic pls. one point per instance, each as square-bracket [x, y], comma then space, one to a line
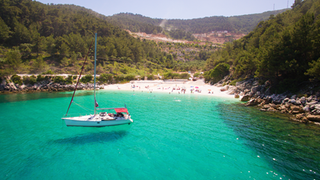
[82, 68]
[95, 64]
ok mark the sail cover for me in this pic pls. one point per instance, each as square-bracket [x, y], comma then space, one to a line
[121, 110]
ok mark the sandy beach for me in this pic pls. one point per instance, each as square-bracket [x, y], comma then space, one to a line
[172, 87]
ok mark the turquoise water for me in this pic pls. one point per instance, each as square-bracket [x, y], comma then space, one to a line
[172, 137]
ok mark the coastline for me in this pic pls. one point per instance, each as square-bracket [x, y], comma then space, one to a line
[168, 86]
[304, 109]
[172, 87]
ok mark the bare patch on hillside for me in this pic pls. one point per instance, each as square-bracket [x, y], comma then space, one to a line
[218, 37]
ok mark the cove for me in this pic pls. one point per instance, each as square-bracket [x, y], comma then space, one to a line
[173, 137]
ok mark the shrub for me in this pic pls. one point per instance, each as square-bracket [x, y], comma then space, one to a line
[130, 77]
[16, 79]
[48, 72]
[314, 71]
[87, 78]
[170, 75]
[167, 75]
[184, 76]
[105, 78]
[150, 77]
[206, 76]
[33, 79]
[219, 72]
[30, 80]
[40, 78]
[175, 76]
[233, 82]
[119, 78]
[196, 75]
[58, 79]
[69, 80]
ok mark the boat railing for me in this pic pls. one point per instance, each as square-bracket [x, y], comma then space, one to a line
[108, 108]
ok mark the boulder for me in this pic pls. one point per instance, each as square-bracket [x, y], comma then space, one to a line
[303, 100]
[287, 105]
[257, 94]
[255, 89]
[295, 112]
[222, 89]
[309, 99]
[293, 97]
[283, 111]
[252, 102]
[232, 91]
[266, 106]
[268, 99]
[264, 110]
[306, 108]
[259, 100]
[246, 91]
[245, 98]
[296, 109]
[285, 100]
[317, 106]
[282, 107]
[262, 103]
[292, 101]
[312, 102]
[314, 118]
[315, 112]
[271, 109]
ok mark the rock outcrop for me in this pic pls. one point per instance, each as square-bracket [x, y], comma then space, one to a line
[44, 86]
[305, 109]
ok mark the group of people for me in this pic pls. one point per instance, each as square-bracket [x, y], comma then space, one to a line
[118, 114]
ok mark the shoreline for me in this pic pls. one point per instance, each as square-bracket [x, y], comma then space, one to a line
[168, 86]
[302, 109]
[198, 87]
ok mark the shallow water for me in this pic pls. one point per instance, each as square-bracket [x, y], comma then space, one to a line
[172, 137]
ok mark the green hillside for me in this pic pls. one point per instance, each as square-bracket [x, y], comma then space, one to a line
[236, 24]
[37, 38]
[283, 50]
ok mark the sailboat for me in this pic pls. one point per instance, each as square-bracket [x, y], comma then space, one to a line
[120, 117]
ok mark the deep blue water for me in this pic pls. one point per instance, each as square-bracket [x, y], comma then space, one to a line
[173, 137]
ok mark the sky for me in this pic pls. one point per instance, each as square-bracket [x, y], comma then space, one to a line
[178, 9]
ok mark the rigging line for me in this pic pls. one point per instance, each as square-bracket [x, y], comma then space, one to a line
[82, 107]
[79, 77]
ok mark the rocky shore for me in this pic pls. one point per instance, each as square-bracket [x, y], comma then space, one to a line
[43, 87]
[304, 108]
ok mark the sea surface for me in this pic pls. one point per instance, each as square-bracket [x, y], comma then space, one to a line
[173, 136]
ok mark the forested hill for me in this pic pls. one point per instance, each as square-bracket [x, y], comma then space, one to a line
[283, 50]
[236, 24]
[136, 23]
[36, 37]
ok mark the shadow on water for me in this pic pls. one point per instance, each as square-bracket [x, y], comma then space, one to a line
[95, 134]
[93, 138]
[4, 98]
[289, 147]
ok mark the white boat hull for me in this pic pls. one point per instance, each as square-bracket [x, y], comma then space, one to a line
[91, 121]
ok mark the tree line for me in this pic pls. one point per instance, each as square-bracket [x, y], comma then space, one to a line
[182, 29]
[283, 50]
[36, 37]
